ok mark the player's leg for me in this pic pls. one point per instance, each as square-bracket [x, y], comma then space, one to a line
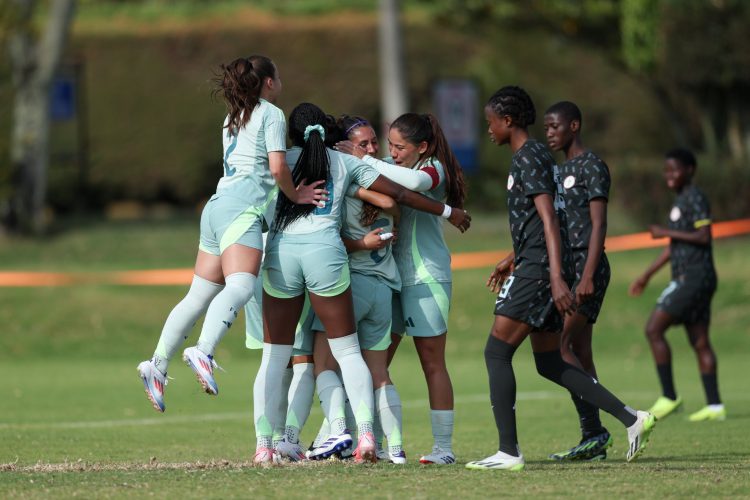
[299, 402]
[505, 337]
[714, 409]
[656, 328]
[208, 281]
[387, 402]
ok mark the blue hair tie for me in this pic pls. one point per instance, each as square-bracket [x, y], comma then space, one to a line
[315, 128]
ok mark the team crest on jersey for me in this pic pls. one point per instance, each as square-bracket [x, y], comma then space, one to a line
[569, 182]
[510, 181]
[675, 214]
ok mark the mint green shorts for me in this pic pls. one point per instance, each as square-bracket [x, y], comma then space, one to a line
[303, 339]
[422, 310]
[226, 220]
[315, 262]
[372, 312]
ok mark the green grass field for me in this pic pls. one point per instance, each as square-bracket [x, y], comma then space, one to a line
[74, 420]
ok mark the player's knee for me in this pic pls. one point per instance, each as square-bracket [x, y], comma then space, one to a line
[242, 285]
[549, 365]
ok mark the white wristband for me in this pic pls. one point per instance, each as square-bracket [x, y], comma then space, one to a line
[446, 211]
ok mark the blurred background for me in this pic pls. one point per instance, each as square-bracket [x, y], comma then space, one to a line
[106, 108]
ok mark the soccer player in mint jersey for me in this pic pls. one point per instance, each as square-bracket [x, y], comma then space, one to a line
[586, 181]
[230, 249]
[305, 252]
[533, 299]
[687, 299]
[423, 162]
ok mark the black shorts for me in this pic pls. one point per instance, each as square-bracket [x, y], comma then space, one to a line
[688, 299]
[530, 301]
[591, 307]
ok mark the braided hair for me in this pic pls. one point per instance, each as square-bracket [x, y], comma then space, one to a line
[240, 83]
[514, 102]
[313, 163]
[417, 128]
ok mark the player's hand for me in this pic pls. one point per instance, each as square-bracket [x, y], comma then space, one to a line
[562, 296]
[350, 148]
[584, 290]
[657, 231]
[502, 270]
[372, 241]
[460, 218]
[637, 287]
[311, 194]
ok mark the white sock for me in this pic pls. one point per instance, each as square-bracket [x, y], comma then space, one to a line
[351, 422]
[182, 319]
[267, 391]
[278, 429]
[300, 400]
[224, 309]
[718, 407]
[332, 399]
[389, 409]
[442, 428]
[323, 433]
[357, 379]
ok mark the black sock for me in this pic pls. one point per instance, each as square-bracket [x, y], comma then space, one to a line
[550, 365]
[588, 417]
[711, 386]
[665, 378]
[499, 355]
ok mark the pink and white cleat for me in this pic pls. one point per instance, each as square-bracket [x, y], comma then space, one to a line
[203, 365]
[367, 450]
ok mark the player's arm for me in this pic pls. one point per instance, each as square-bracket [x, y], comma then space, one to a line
[382, 201]
[456, 216]
[502, 270]
[637, 287]
[370, 241]
[701, 236]
[416, 180]
[304, 194]
[560, 291]
[598, 214]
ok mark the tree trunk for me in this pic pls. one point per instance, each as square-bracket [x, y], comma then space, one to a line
[34, 65]
[393, 97]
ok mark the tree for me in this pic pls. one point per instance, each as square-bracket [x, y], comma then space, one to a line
[33, 65]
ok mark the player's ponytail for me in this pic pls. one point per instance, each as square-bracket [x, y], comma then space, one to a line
[240, 83]
[306, 130]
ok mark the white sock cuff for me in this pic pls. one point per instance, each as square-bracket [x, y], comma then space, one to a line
[302, 369]
[245, 281]
[345, 346]
[278, 352]
[203, 290]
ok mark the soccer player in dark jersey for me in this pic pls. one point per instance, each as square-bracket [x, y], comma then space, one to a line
[535, 296]
[687, 299]
[586, 181]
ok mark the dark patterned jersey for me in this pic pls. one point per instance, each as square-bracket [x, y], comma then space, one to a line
[533, 171]
[585, 177]
[690, 212]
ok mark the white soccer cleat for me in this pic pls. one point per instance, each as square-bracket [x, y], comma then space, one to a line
[438, 457]
[203, 366]
[331, 445]
[153, 383]
[499, 461]
[292, 451]
[397, 458]
[638, 434]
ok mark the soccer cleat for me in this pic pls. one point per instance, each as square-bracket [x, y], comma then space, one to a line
[498, 461]
[663, 407]
[264, 457]
[397, 458]
[332, 445]
[593, 448]
[382, 454]
[153, 383]
[638, 434]
[366, 450]
[708, 413]
[438, 457]
[203, 366]
[292, 451]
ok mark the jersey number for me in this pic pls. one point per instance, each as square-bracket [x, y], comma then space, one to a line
[375, 254]
[325, 210]
[506, 287]
[229, 172]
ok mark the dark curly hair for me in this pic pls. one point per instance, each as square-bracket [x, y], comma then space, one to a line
[239, 84]
[514, 102]
[682, 155]
[567, 110]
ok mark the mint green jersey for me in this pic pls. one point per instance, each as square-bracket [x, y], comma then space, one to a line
[379, 263]
[247, 175]
[345, 171]
[421, 253]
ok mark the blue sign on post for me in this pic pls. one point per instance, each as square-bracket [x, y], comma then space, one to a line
[63, 99]
[456, 104]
